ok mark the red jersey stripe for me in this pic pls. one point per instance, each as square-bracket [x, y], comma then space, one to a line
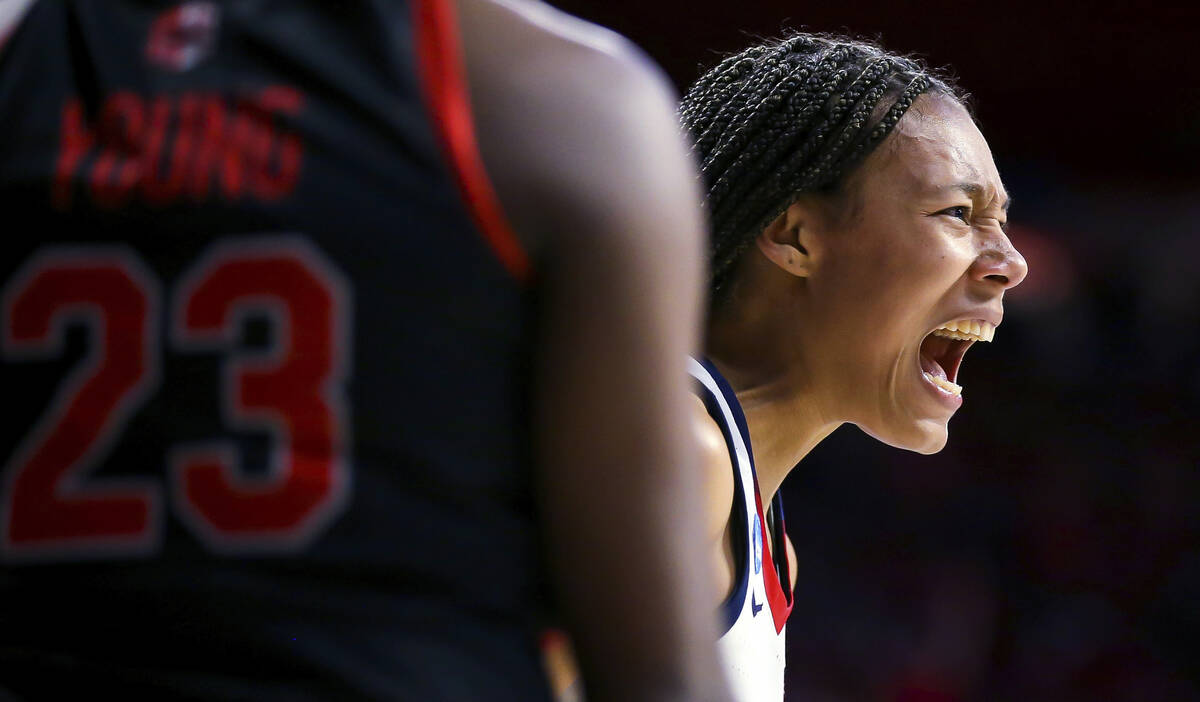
[779, 595]
[443, 78]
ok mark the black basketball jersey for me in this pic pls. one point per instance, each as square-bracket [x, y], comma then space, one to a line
[265, 347]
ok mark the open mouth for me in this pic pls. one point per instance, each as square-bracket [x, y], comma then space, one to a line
[943, 349]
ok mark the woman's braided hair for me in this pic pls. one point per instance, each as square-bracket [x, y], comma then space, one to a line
[789, 117]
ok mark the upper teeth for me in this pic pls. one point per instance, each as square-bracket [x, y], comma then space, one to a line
[967, 330]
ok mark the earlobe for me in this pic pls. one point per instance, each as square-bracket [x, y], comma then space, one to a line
[781, 242]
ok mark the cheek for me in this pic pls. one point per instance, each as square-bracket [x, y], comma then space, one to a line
[889, 287]
[926, 275]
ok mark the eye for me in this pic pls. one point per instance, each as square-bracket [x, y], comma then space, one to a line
[961, 212]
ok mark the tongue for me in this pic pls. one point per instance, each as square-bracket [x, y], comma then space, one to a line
[928, 364]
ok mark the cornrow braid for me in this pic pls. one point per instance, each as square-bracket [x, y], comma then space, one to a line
[814, 93]
[817, 149]
[788, 117]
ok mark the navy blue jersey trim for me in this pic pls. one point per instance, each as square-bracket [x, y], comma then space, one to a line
[778, 530]
[779, 554]
[735, 407]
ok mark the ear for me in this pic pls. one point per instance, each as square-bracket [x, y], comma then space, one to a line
[785, 241]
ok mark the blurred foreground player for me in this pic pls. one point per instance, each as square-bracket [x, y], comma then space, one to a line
[293, 412]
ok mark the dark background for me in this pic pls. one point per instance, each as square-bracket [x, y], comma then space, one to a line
[1052, 551]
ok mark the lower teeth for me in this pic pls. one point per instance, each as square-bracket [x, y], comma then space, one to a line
[944, 384]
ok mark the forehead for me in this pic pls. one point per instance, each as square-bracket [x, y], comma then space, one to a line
[934, 147]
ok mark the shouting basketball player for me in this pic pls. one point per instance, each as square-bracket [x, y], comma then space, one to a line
[859, 250]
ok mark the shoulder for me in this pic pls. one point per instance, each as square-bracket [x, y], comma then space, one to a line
[717, 468]
[574, 123]
[525, 46]
[11, 14]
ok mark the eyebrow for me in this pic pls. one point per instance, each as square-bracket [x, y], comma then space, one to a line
[974, 190]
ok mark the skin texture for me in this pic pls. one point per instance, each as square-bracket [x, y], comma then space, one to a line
[825, 322]
[579, 137]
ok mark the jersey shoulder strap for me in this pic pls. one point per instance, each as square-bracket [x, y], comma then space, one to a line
[723, 407]
[748, 523]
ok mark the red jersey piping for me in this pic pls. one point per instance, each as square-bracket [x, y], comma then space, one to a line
[779, 595]
[443, 77]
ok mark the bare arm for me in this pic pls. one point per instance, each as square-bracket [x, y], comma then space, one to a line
[581, 141]
[11, 14]
[717, 476]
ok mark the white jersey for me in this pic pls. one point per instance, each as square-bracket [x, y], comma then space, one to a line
[752, 646]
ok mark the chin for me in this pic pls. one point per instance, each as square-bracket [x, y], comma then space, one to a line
[925, 436]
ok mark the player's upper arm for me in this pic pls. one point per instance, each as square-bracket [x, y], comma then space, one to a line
[716, 470]
[578, 135]
[717, 478]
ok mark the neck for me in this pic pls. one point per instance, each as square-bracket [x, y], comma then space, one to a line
[776, 392]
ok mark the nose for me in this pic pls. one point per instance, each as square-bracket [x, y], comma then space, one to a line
[999, 262]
